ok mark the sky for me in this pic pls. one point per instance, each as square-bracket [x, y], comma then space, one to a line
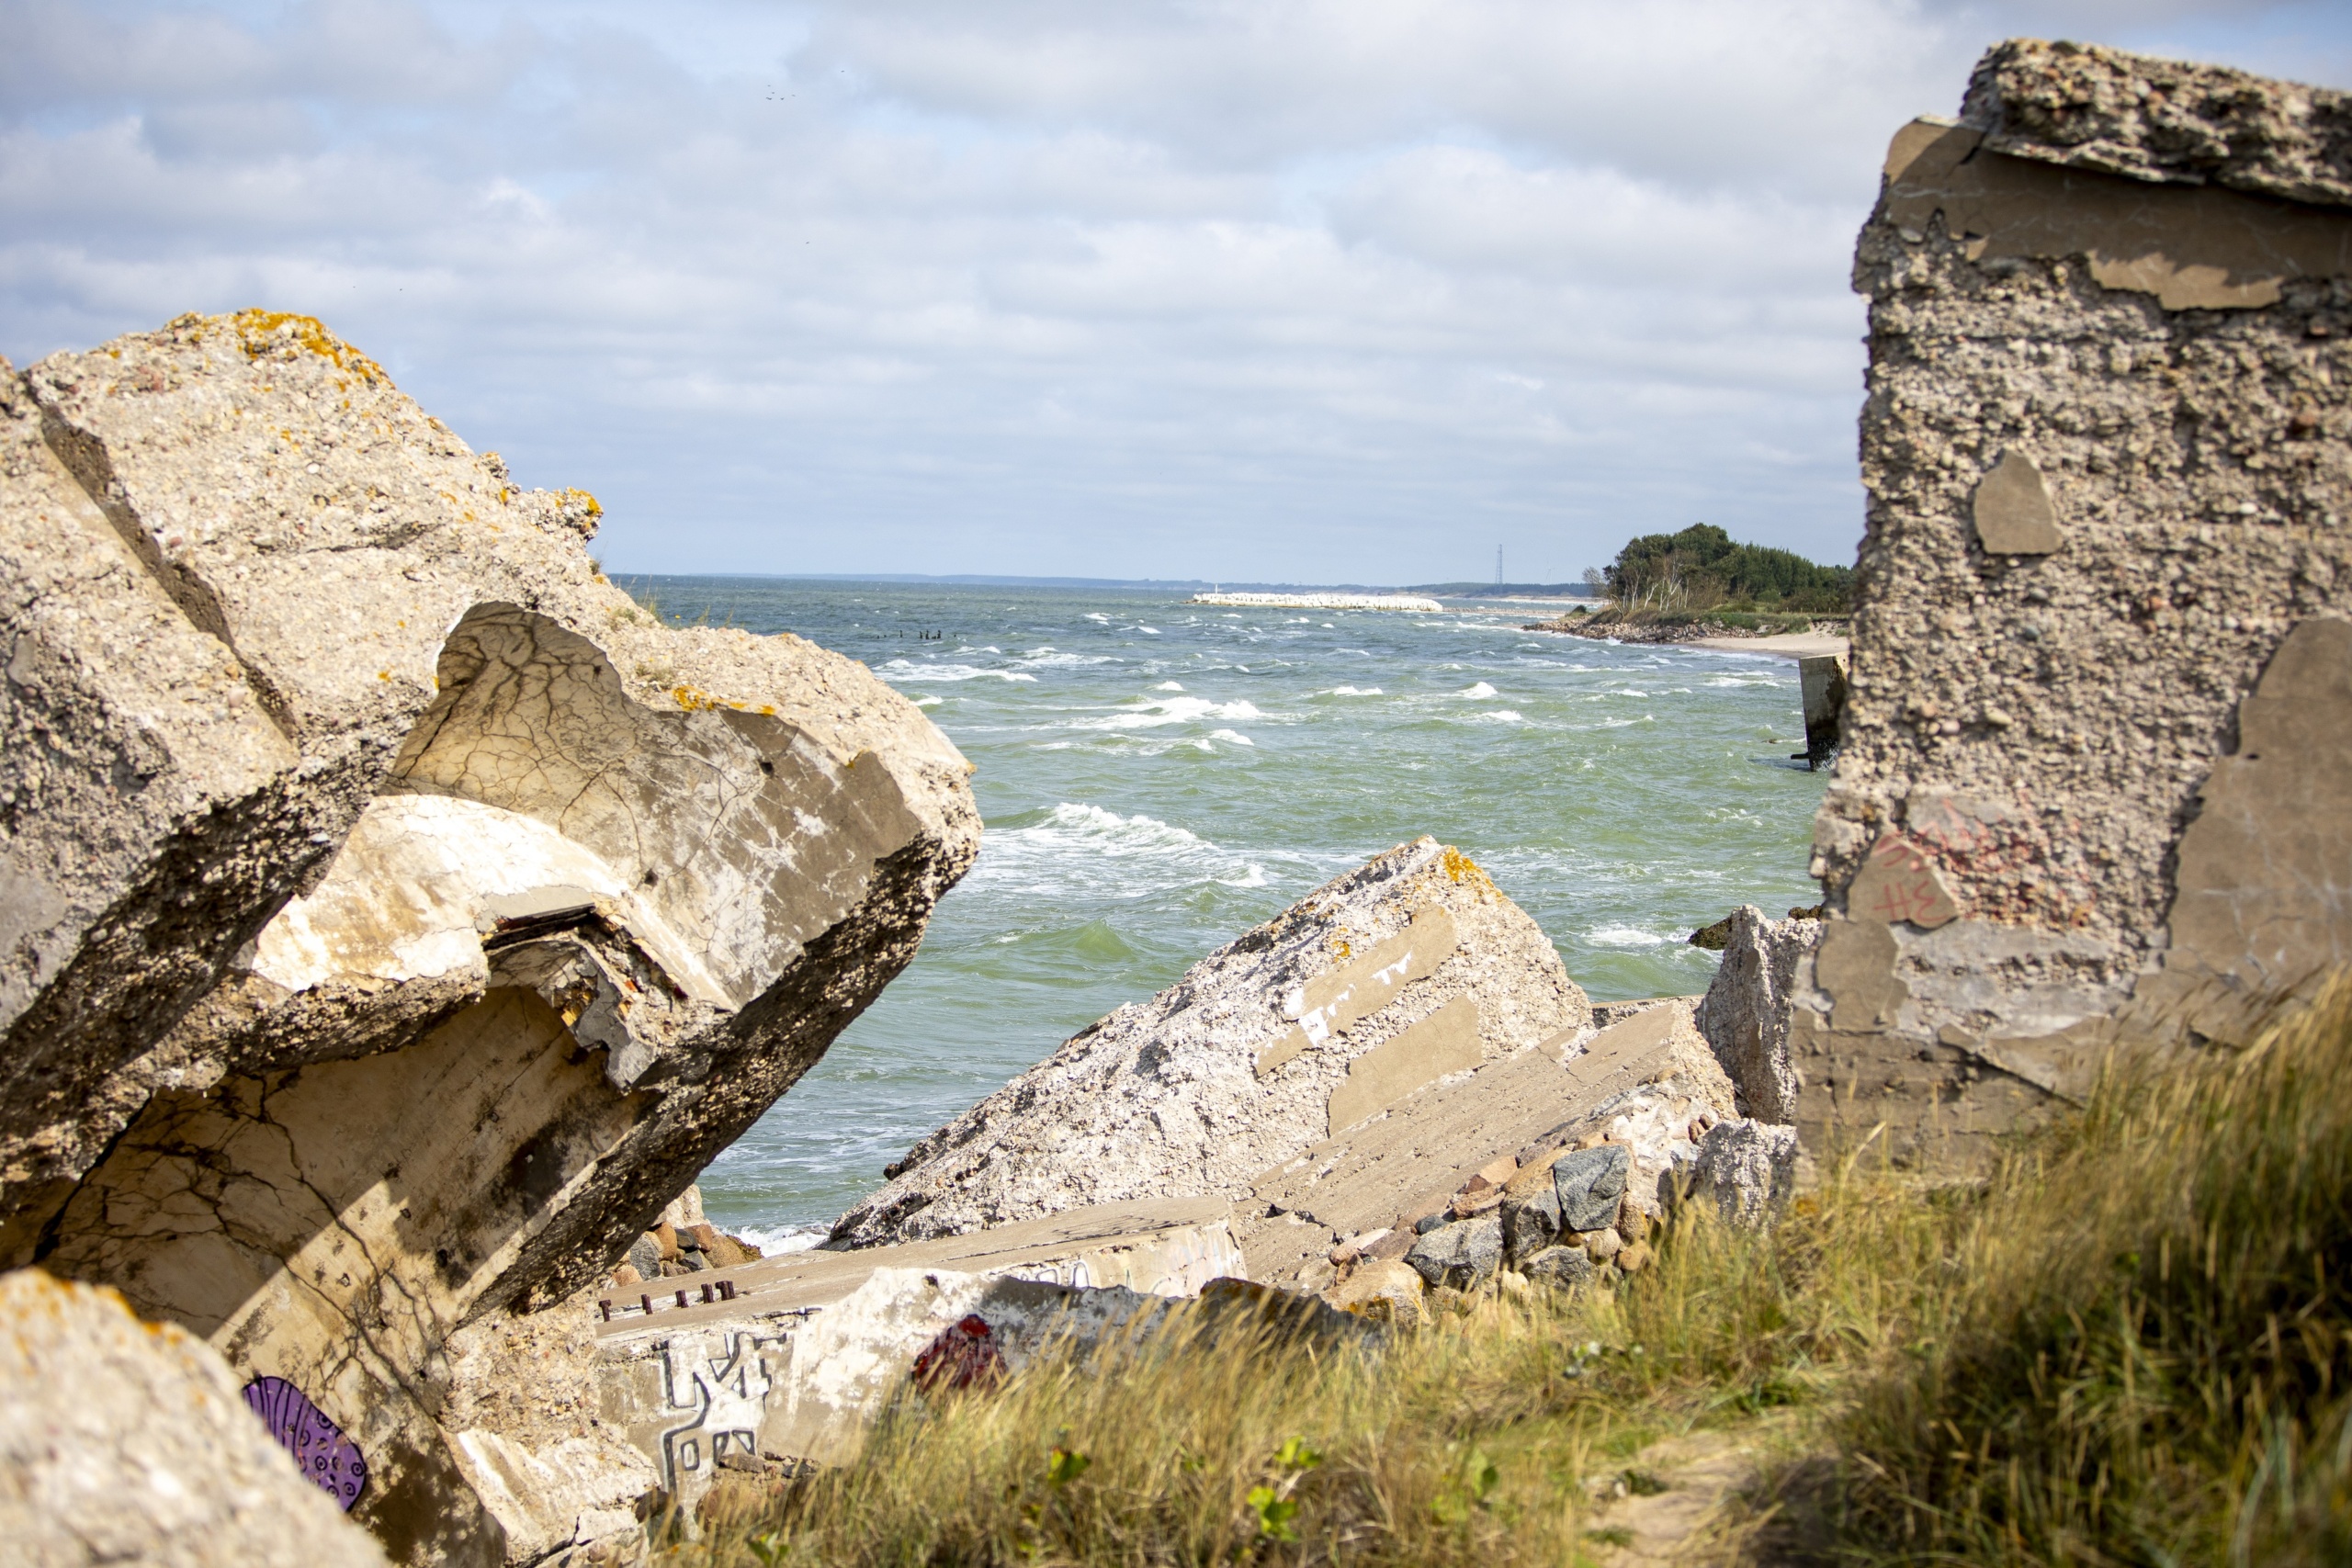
[1277, 291]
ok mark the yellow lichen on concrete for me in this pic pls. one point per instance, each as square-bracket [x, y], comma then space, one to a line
[258, 332]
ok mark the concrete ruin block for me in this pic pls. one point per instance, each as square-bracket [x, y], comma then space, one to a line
[1165, 1100]
[2136, 274]
[1821, 689]
[808, 1384]
[1744, 1014]
[402, 917]
[130, 1442]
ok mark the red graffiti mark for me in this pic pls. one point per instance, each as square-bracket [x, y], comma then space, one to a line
[963, 1356]
[1902, 884]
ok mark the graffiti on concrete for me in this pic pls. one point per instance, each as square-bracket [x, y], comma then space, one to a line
[332, 1460]
[729, 1398]
[962, 1354]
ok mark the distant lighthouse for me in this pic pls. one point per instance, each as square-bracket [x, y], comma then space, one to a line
[1499, 566]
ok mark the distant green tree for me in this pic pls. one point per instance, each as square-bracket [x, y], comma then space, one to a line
[1703, 568]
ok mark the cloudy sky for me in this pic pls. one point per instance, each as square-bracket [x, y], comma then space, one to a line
[1313, 290]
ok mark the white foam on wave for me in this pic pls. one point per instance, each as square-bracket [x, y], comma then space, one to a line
[1050, 658]
[1480, 690]
[1743, 680]
[1098, 616]
[909, 670]
[1355, 692]
[928, 701]
[1148, 631]
[774, 1241]
[1150, 712]
[1500, 715]
[1235, 735]
[1169, 686]
[1081, 849]
[1626, 936]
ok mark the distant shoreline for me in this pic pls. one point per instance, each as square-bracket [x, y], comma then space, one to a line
[1823, 635]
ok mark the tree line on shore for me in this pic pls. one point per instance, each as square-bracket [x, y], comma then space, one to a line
[1703, 568]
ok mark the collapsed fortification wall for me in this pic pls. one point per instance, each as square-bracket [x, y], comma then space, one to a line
[2101, 659]
[396, 916]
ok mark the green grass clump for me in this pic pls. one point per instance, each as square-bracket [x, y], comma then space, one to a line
[2128, 1346]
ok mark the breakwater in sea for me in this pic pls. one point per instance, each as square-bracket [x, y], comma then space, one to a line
[1156, 777]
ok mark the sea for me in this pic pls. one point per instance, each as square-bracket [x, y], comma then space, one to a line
[1156, 777]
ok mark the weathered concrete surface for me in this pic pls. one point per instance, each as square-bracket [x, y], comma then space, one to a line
[813, 1345]
[443, 914]
[1744, 1014]
[130, 1443]
[1164, 1100]
[1386, 1174]
[2163, 120]
[2053, 289]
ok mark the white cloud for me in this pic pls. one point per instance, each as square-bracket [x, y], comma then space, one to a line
[1242, 288]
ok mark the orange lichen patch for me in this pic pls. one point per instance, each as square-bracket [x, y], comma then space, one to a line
[569, 498]
[259, 331]
[1459, 865]
[691, 698]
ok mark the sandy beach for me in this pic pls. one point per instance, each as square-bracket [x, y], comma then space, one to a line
[1788, 645]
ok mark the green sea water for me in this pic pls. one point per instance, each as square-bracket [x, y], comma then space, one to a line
[1156, 777]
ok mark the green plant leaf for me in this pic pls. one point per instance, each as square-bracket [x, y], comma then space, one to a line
[1274, 1512]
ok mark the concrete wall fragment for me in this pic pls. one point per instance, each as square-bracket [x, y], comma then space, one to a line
[2109, 471]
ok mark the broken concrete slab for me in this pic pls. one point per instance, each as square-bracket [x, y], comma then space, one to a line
[1164, 1098]
[1744, 1014]
[131, 1443]
[1392, 1170]
[2169, 122]
[1747, 1168]
[1445, 1042]
[793, 1357]
[453, 911]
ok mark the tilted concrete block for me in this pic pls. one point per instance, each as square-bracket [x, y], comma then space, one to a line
[1403, 974]
[406, 916]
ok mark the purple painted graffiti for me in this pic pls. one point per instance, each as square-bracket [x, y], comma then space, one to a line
[332, 1460]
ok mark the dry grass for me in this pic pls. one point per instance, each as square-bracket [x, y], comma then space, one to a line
[2136, 1351]
[2128, 1347]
